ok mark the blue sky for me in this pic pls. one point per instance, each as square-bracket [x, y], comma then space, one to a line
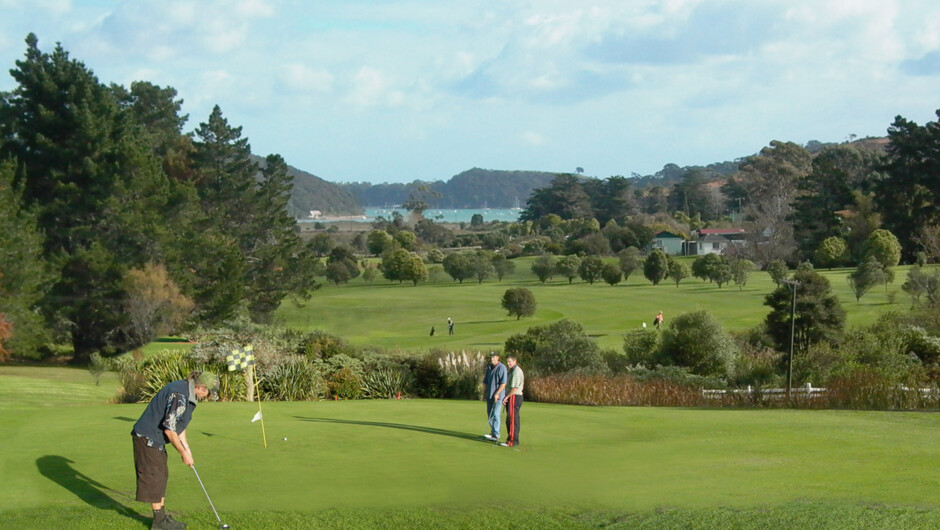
[393, 91]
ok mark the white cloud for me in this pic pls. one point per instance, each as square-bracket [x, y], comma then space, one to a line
[56, 7]
[684, 80]
[224, 36]
[371, 87]
[928, 35]
[300, 78]
[532, 138]
[254, 8]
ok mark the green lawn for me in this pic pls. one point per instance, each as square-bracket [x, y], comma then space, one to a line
[421, 463]
[401, 315]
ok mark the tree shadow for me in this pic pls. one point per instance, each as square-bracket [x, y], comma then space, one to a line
[59, 470]
[416, 428]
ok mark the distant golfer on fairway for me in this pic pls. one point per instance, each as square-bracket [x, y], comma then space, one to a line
[494, 382]
[164, 421]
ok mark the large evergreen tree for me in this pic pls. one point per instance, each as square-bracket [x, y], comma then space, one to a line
[825, 193]
[565, 197]
[818, 315]
[909, 195]
[24, 279]
[611, 198]
[251, 252]
[82, 167]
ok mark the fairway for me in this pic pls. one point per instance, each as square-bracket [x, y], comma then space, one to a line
[395, 315]
[365, 463]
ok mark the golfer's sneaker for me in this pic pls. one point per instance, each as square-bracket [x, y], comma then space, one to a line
[490, 437]
[168, 523]
[503, 444]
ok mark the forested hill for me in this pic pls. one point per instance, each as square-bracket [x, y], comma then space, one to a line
[477, 188]
[313, 193]
[474, 188]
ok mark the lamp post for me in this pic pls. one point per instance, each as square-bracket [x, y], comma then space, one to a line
[793, 284]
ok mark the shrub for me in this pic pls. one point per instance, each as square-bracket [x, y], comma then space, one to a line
[339, 362]
[463, 374]
[696, 340]
[757, 367]
[97, 366]
[555, 348]
[132, 385]
[640, 346]
[153, 304]
[321, 345]
[233, 386]
[429, 378]
[297, 379]
[677, 375]
[163, 368]
[617, 362]
[344, 384]
[386, 383]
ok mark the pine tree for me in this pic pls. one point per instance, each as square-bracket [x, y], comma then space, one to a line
[24, 278]
[819, 315]
[909, 197]
[81, 167]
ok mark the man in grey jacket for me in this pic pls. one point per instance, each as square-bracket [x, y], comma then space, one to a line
[494, 383]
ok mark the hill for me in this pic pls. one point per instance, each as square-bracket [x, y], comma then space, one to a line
[310, 192]
[473, 188]
[477, 188]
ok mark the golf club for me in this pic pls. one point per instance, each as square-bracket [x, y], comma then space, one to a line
[221, 524]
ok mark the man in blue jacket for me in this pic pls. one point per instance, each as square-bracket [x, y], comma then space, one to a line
[494, 382]
[163, 422]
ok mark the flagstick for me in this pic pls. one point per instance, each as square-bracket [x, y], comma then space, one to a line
[258, 393]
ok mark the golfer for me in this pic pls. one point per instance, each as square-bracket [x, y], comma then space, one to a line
[163, 422]
[494, 382]
[513, 401]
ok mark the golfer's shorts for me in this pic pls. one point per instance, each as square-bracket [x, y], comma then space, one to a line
[152, 473]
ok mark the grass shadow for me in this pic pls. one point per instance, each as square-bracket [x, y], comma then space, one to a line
[59, 470]
[387, 425]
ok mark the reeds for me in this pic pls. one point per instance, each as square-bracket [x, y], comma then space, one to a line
[618, 390]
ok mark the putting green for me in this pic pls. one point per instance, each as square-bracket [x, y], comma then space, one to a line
[425, 454]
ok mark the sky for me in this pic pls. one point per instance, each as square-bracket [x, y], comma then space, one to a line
[403, 90]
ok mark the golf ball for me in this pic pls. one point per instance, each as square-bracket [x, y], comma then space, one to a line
[285, 439]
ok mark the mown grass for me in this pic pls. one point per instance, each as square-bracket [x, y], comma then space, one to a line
[401, 315]
[422, 463]
[792, 515]
[52, 386]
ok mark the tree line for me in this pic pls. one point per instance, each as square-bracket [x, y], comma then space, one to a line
[112, 215]
[788, 199]
[105, 201]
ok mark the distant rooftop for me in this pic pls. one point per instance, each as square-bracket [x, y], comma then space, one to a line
[720, 231]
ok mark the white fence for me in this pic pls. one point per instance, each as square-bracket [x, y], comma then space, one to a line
[805, 391]
[799, 392]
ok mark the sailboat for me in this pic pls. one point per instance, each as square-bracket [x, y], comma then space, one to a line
[515, 205]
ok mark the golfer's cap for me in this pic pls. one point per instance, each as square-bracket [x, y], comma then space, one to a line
[494, 354]
[210, 381]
